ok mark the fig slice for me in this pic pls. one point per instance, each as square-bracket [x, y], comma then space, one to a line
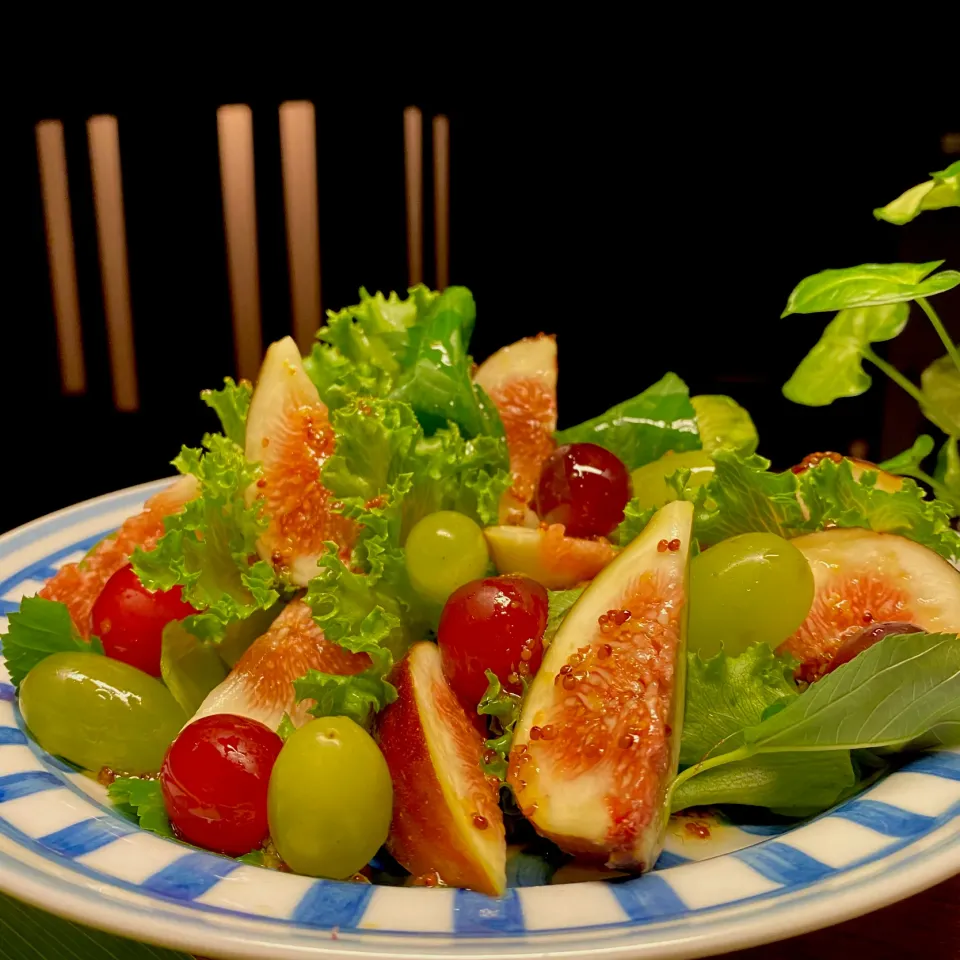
[521, 380]
[446, 820]
[547, 555]
[260, 686]
[289, 433]
[862, 577]
[79, 584]
[597, 743]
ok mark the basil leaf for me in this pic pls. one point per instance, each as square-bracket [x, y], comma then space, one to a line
[943, 190]
[899, 690]
[940, 385]
[834, 367]
[869, 284]
[798, 783]
[644, 428]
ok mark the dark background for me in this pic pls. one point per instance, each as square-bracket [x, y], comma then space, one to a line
[650, 230]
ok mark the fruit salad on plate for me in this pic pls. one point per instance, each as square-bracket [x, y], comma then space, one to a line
[390, 625]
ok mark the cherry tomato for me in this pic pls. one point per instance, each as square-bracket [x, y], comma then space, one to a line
[493, 624]
[129, 619]
[584, 487]
[215, 778]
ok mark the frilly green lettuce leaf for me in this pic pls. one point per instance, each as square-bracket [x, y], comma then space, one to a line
[635, 520]
[559, 603]
[209, 547]
[645, 427]
[746, 496]
[504, 708]
[231, 404]
[725, 694]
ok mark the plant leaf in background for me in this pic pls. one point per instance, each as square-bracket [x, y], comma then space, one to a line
[792, 784]
[722, 422]
[834, 367]
[940, 385]
[142, 800]
[645, 427]
[727, 694]
[504, 707]
[869, 284]
[38, 629]
[942, 190]
[231, 404]
[907, 462]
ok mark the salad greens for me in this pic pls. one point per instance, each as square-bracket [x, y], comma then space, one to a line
[644, 428]
[39, 628]
[205, 547]
[504, 708]
[872, 300]
[142, 800]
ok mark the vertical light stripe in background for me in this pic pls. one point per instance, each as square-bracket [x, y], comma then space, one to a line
[104, 141]
[413, 168]
[298, 153]
[441, 199]
[235, 136]
[52, 159]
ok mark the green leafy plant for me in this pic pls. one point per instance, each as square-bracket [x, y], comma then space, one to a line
[504, 708]
[872, 301]
[941, 190]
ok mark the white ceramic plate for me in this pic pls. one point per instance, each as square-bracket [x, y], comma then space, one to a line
[62, 848]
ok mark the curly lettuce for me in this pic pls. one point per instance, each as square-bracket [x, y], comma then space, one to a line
[387, 474]
[208, 548]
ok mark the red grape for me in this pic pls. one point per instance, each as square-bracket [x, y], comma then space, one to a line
[494, 624]
[129, 619]
[584, 487]
[215, 778]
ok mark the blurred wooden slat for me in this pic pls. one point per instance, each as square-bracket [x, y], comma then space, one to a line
[413, 168]
[235, 134]
[52, 158]
[298, 151]
[441, 199]
[104, 139]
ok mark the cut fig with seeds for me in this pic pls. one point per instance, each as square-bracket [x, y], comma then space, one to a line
[597, 743]
[289, 433]
[521, 380]
[548, 555]
[446, 820]
[260, 686]
[861, 578]
[856, 641]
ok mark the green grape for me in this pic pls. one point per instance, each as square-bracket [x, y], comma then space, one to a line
[753, 588]
[444, 551]
[330, 799]
[97, 712]
[650, 481]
